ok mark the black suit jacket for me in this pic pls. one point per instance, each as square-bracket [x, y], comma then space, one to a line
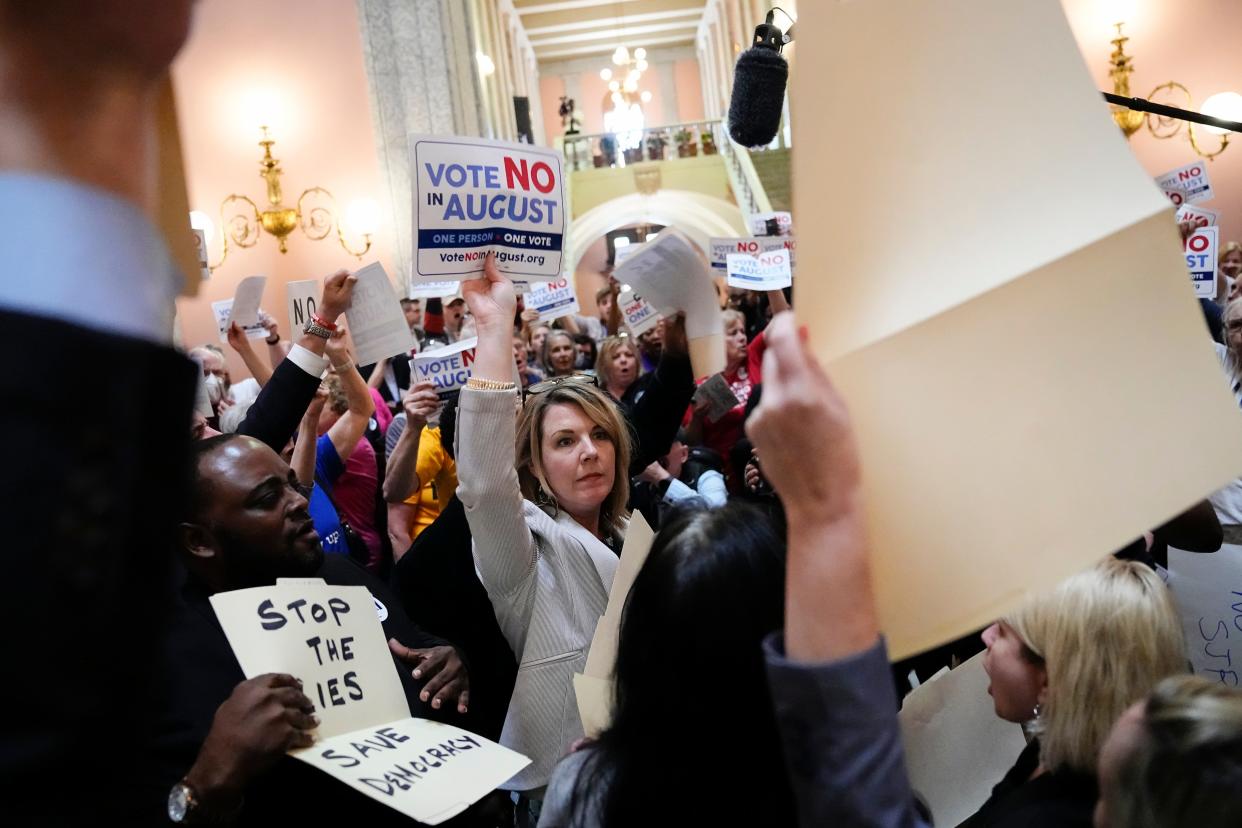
[276, 413]
[400, 369]
[99, 432]
[198, 672]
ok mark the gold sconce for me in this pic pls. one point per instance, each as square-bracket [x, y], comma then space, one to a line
[315, 212]
[1225, 105]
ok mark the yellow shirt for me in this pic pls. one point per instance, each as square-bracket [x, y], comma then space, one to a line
[438, 473]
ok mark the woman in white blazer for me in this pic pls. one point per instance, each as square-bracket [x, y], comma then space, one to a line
[544, 483]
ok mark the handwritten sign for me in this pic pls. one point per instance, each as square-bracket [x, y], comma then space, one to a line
[303, 298]
[330, 638]
[553, 299]
[1188, 184]
[1201, 259]
[723, 247]
[376, 322]
[759, 223]
[1208, 590]
[767, 271]
[473, 195]
[448, 369]
[637, 314]
[1199, 216]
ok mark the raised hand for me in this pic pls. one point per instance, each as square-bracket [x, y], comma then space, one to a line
[442, 669]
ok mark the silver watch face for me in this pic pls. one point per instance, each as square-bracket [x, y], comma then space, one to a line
[178, 802]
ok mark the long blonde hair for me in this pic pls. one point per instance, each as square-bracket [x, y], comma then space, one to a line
[602, 411]
[607, 350]
[1106, 636]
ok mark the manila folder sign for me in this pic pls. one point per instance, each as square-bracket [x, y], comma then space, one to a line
[1022, 407]
[331, 639]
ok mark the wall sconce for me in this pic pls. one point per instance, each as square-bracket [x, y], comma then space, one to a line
[1225, 105]
[245, 227]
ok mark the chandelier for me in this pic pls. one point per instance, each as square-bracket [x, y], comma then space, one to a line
[623, 83]
[315, 213]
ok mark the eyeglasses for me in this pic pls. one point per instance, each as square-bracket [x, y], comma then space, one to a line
[580, 380]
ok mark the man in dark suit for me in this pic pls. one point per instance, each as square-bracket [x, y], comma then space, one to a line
[97, 431]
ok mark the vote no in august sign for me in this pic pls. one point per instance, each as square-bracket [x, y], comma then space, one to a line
[472, 196]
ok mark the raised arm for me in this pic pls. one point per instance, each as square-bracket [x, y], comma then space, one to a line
[831, 687]
[486, 423]
[303, 461]
[240, 343]
[377, 374]
[277, 411]
[348, 430]
[658, 413]
[401, 477]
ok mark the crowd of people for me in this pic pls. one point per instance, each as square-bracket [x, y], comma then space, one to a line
[752, 681]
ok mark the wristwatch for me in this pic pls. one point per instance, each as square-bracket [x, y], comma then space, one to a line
[315, 329]
[181, 803]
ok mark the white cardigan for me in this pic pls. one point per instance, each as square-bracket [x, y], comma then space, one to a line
[548, 580]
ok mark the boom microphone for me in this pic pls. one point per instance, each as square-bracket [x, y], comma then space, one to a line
[759, 88]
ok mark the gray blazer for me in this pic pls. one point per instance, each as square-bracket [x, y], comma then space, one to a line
[548, 580]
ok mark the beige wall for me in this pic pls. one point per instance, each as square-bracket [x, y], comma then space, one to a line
[306, 59]
[1194, 42]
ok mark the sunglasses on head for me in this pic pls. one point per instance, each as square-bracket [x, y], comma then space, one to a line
[556, 382]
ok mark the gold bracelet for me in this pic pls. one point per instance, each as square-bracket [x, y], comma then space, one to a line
[480, 384]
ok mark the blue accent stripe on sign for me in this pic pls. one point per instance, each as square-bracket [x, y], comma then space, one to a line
[520, 239]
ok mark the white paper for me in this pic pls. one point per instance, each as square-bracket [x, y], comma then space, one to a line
[473, 195]
[1208, 591]
[767, 271]
[376, 322]
[620, 254]
[1201, 216]
[1190, 181]
[1201, 248]
[246, 300]
[956, 746]
[330, 638]
[304, 298]
[223, 311]
[447, 368]
[670, 274]
[637, 313]
[424, 769]
[553, 299]
[759, 223]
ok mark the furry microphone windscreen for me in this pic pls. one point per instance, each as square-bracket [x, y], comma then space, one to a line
[758, 96]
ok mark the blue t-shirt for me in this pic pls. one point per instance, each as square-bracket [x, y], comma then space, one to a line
[328, 468]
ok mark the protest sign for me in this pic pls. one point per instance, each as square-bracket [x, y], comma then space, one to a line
[472, 196]
[376, 322]
[1188, 184]
[719, 395]
[330, 638]
[304, 296]
[956, 746]
[723, 247]
[1201, 259]
[223, 311]
[552, 299]
[637, 313]
[1199, 216]
[767, 271]
[200, 251]
[593, 686]
[623, 252]
[448, 368]
[1044, 288]
[669, 273]
[1208, 591]
[759, 223]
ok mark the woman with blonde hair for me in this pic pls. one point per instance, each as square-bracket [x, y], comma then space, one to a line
[1066, 665]
[1228, 268]
[617, 365]
[546, 529]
